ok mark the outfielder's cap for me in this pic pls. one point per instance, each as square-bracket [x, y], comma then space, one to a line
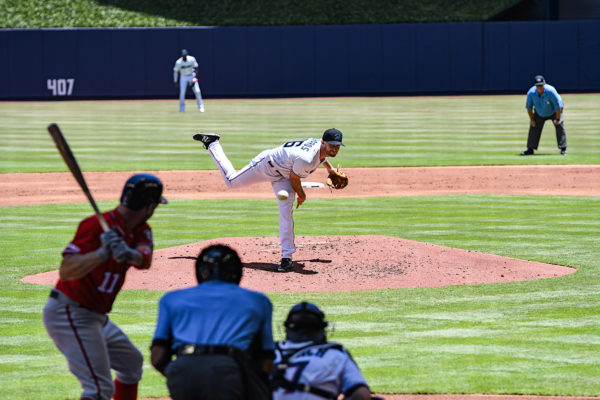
[539, 80]
[333, 136]
[184, 52]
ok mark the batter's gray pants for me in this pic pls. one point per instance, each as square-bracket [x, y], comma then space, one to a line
[92, 345]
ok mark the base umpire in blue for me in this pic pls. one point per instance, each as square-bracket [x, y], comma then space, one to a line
[543, 103]
[219, 332]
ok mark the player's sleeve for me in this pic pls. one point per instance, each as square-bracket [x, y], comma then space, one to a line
[87, 237]
[529, 101]
[175, 72]
[163, 335]
[145, 245]
[557, 100]
[352, 378]
[195, 63]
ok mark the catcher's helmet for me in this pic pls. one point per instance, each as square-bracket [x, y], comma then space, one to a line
[142, 190]
[219, 262]
[305, 322]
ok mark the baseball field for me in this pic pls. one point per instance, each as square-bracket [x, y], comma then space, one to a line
[524, 337]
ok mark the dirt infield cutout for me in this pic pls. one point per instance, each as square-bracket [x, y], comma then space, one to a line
[338, 263]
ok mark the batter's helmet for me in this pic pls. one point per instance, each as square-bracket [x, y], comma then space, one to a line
[142, 190]
[305, 322]
[219, 262]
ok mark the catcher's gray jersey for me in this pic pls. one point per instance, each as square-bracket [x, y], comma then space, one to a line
[327, 366]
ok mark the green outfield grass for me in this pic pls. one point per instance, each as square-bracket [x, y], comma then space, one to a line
[535, 337]
[389, 131]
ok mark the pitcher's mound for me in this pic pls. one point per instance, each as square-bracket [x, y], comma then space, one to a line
[337, 263]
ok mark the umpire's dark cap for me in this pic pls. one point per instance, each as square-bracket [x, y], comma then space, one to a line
[539, 80]
[333, 136]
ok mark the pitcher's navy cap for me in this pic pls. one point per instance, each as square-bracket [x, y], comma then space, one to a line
[333, 136]
[184, 52]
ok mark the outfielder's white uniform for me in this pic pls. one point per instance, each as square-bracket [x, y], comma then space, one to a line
[185, 71]
[328, 367]
[274, 165]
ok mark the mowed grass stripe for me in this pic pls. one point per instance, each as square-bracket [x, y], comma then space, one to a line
[409, 131]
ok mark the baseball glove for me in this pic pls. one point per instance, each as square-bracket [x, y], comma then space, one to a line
[337, 179]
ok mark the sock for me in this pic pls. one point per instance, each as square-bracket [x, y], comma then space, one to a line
[124, 391]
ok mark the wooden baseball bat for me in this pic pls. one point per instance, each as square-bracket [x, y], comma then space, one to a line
[67, 155]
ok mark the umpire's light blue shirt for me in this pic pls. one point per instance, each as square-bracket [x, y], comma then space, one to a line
[215, 313]
[546, 104]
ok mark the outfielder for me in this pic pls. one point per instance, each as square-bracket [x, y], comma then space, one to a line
[307, 367]
[186, 69]
[284, 167]
[91, 274]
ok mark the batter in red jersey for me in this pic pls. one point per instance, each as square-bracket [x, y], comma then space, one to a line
[91, 274]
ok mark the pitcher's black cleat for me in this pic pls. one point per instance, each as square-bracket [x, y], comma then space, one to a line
[206, 138]
[285, 266]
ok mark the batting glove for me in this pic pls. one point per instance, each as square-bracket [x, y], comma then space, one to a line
[106, 238]
[121, 252]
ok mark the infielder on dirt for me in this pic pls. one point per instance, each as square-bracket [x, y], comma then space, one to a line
[284, 167]
[91, 274]
[184, 75]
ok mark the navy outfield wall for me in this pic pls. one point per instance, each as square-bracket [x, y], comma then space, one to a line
[494, 57]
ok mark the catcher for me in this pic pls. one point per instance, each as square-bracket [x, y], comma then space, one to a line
[284, 166]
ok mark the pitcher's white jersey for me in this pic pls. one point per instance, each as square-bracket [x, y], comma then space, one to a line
[299, 156]
[185, 68]
[328, 367]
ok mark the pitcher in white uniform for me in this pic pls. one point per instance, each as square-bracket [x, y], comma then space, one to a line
[184, 75]
[284, 167]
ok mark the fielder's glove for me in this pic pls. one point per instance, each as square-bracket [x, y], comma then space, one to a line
[337, 179]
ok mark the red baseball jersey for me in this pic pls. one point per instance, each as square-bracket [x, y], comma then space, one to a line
[98, 289]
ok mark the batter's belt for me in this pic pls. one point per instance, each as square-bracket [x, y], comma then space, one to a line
[62, 298]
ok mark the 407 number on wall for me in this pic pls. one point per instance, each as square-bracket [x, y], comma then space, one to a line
[60, 86]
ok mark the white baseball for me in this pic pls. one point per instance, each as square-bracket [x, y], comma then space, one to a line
[283, 195]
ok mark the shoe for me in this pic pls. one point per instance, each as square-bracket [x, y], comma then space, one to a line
[201, 109]
[528, 152]
[206, 138]
[563, 152]
[285, 266]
